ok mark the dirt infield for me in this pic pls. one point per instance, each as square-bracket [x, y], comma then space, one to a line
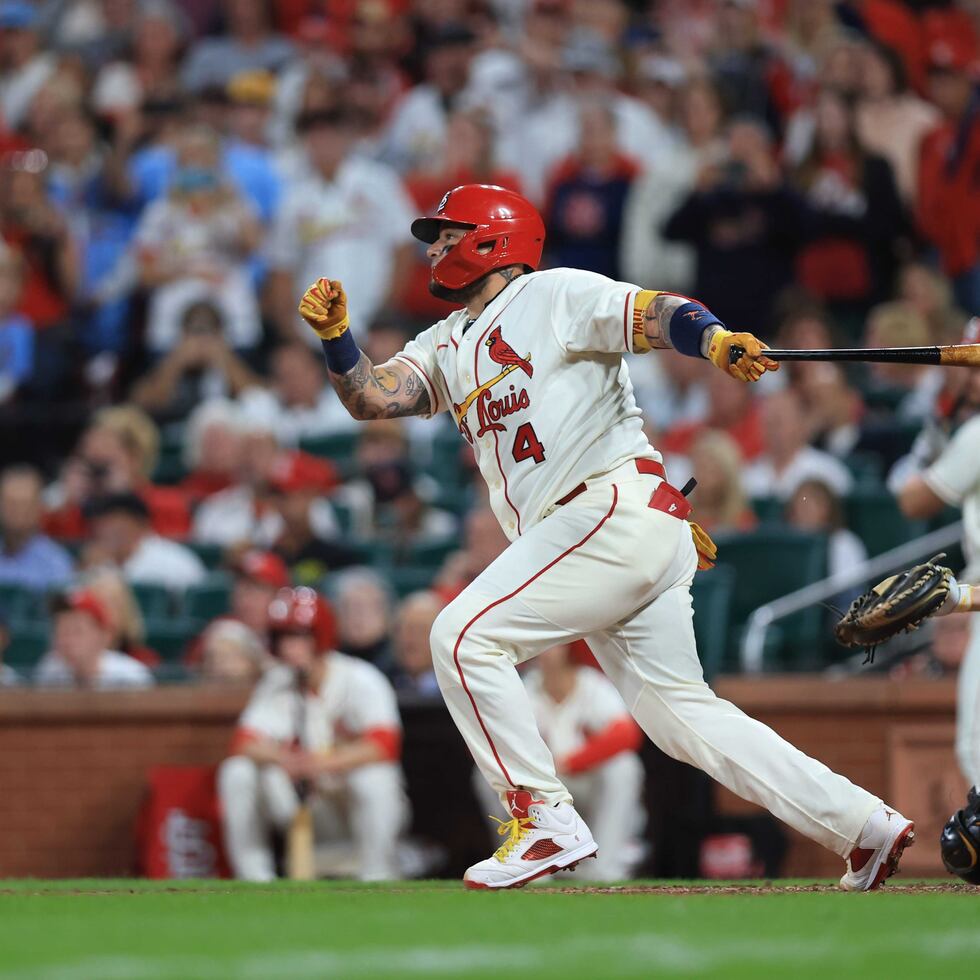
[768, 888]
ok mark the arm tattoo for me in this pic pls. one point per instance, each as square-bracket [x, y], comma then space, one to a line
[651, 319]
[383, 392]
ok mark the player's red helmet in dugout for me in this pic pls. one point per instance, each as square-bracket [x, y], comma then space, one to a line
[493, 216]
[302, 610]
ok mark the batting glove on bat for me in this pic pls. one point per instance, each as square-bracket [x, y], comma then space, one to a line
[751, 365]
[324, 308]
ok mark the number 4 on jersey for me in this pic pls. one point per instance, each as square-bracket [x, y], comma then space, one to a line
[527, 445]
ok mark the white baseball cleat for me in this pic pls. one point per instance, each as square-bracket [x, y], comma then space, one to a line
[541, 840]
[885, 836]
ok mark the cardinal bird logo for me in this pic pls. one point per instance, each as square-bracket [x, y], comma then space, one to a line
[503, 353]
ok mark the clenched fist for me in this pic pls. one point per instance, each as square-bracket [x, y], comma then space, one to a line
[751, 365]
[324, 308]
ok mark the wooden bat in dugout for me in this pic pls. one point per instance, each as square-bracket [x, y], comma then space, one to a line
[299, 841]
[962, 355]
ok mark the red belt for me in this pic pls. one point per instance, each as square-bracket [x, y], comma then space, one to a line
[649, 467]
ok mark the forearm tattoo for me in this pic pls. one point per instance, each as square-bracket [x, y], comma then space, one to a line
[652, 311]
[384, 392]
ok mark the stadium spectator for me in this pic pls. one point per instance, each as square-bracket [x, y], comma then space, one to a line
[891, 119]
[350, 217]
[949, 213]
[927, 291]
[364, 613]
[256, 578]
[788, 460]
[299, 403]
[80, 655]
[8, 676]
[213, 448]
[122, 536]
[231, 653]
[594, 740]
[646, 255]
[815, 507]
[28, 558]
[250, 44]
[325, 718]
[201, 365]
[24, 66]
[127, 631]
[194, 244]
[250, 95]
[857, 216]
[587, 195]
[746, 225]
[717, 464]
[412, 654]
[484, 540]
[147, 72]
[416, 135]
[32, 225]
[731, 409]
[912, 388]
[16, 331]
[306, 536]
[117, 453]
[241, 515]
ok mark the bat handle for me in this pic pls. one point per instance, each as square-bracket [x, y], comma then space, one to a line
[735, 352]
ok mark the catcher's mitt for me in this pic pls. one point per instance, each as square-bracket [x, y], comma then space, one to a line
[896, 605]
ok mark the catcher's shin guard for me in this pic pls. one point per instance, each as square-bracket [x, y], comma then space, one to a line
[959, 842]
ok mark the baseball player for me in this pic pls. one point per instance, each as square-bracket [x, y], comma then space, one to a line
[532, 368]
[323, 719]
[593, 740]
[953, 478]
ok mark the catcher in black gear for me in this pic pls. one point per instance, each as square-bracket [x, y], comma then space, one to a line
[900, 603]
[959, 842]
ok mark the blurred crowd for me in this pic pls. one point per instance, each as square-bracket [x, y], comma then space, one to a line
[173, 174]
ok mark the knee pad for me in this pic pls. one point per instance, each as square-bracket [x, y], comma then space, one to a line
[959, 842]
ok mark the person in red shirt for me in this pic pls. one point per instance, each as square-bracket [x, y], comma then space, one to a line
[117, 453]
[949, 172]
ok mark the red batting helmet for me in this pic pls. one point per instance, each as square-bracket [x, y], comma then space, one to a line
[302, 610]
[494, 216]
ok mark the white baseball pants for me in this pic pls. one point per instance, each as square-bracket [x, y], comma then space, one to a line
[968, 707]
[368, 807]
[609, 568]
[610, 799]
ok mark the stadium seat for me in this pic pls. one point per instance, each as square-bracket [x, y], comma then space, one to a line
[155, 601]
[170, 638]
[28, 643]
[866, 468]
[712, 597]
[208, 599]
[18, 604]
[410, 578]
[339, 448]
[769, 510]
[170, 468]
[431, 555]
[873, 515]
[772, 562]
[212, 555]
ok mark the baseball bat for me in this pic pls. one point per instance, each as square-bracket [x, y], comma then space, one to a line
[299, 841]
[963, 355]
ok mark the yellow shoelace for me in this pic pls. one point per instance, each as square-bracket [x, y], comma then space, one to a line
[515, 830]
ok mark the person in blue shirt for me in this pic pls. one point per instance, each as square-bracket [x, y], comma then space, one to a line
[16, 331]
[28, 558]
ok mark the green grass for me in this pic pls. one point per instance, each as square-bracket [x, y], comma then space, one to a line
[134, 930]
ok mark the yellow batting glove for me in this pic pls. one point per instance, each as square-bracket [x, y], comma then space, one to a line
[324, 308]
[751, 365]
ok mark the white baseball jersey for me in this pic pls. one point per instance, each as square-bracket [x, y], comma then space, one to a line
[593, 705]
[538, 386]
[354, 698]
[955, 478]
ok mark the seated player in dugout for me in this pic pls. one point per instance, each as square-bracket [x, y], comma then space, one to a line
[323, 726]
[531, 367]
